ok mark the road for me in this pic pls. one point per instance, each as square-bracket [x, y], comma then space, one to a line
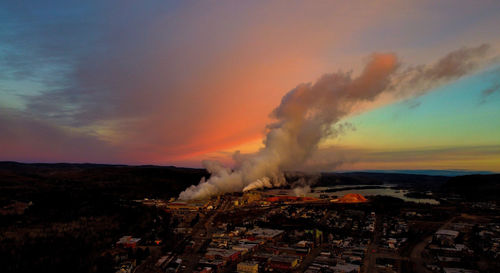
[369, 262]
[416, 253]
[374, 251]
[308, 259]
[206, 225]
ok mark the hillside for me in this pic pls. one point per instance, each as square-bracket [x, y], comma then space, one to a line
[474, 187]
[71, 190]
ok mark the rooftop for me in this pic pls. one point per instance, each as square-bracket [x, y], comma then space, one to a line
[447, 232]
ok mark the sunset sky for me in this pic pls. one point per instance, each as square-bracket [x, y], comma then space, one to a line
[175, 83]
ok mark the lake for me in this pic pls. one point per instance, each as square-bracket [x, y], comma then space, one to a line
[341, 190]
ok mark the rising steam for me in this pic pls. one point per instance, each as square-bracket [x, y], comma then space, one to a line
[307, 114]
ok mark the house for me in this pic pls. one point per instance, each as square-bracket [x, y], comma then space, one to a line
[224, 254]
[266, 234]
[346, 268]
[248, 267]
[283, 262]
[445, 237]
[128, 242]
[458, 270]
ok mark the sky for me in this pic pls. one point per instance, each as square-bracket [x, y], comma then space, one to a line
[178, 82]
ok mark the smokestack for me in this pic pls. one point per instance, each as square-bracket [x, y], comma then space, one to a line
[307, 113]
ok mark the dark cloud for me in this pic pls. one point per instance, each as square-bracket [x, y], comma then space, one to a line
[26, 137]
[487, 92]
[339, 157]
[447, 153]
[412, 104]
[39, 45]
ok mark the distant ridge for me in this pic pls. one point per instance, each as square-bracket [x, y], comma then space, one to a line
[448, 173]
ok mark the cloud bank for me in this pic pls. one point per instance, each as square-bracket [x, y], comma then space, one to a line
[170, 81]
[23, 134]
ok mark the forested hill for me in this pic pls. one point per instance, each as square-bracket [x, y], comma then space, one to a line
[475, 187]
[32, 181]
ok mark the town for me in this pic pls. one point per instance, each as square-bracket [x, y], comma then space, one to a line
[86, 218]
[260, 231]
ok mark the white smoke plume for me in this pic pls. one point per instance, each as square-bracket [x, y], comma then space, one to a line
[308, 112]
[260, 183]
[301, 191]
